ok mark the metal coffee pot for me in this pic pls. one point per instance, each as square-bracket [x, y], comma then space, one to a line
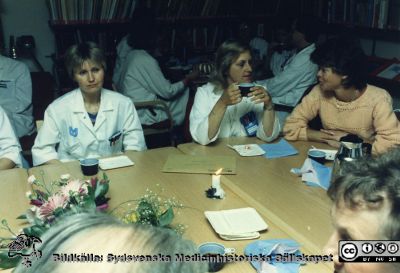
[351, 148]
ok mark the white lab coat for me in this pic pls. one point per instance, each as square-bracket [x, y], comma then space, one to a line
[16, 95]
[204, 102]
[9, 145]
[299, 73]
[142, 80]
[67, 123]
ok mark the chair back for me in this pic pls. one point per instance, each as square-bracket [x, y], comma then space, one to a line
[162, 127]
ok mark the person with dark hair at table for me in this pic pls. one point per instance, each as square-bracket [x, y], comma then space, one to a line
[366, 206]
[141, 77]
[9, 145]
[344, 101]
[89, 121]
[219, 106]
[102, 234]
[298, 72]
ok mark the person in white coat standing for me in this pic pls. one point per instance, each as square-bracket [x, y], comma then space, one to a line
[9, 145]
[221, 110]
[89, 121]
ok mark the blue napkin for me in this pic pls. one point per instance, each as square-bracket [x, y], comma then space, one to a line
[323, 174]
[280, 149]
[264, 247]
[314, 174]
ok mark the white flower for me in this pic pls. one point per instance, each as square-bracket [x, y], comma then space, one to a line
[28, 194]
[65, 176]
[31, 179]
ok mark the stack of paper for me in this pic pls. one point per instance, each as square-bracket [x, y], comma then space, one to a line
[236, 224]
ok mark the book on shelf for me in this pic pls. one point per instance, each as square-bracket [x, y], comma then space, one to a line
[365, 13]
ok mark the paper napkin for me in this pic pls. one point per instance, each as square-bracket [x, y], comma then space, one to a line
[248, 149]
[115, 162]
[280, 149]
[270, 249]
[314, 173]
[236, 224]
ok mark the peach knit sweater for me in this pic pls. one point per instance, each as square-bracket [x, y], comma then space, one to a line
[370, 117]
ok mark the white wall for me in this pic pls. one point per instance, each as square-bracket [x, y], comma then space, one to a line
[29, 17]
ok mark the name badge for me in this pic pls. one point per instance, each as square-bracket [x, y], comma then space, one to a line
[250, 123]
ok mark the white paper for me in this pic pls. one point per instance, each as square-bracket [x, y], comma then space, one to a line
[248, 149]
[115, 162]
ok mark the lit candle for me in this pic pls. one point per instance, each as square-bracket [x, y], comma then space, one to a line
[216, 179]
[216, 184]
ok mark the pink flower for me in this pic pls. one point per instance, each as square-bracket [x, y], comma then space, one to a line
[75, 186]
[102, 207]
[54, 202]
[93, 182]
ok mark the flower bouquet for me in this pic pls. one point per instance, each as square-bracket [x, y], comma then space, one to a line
[150, 209]
[63, 197]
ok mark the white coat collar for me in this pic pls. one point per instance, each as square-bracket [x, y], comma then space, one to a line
[105, 106]
[79, 107]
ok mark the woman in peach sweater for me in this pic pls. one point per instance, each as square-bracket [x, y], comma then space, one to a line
[344, 101]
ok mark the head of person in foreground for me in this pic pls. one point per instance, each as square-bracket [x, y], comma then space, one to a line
[106, 237]
[366, 206]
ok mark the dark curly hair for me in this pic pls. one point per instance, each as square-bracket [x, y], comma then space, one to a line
[345, 56]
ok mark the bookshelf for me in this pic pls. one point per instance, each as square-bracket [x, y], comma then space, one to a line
[189, 28]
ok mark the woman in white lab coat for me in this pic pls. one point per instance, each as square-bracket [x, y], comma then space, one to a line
[89, 121]
[219, 107]
[9, 145]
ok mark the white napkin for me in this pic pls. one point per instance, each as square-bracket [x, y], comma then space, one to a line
[248, 149]
[236, 224]
[115, 162]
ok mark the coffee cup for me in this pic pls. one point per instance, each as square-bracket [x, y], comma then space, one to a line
[214, 253]
[89, 166]
[245, 88]
[317, 155]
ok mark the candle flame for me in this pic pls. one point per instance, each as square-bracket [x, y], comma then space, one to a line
[218, 172]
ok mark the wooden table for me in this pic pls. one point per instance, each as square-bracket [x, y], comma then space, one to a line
[13, 202]
[267, 184]
[131, 182]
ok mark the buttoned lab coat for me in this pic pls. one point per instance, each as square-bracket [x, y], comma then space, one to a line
[67, 123]
[16, 95]
[204, 102]
[9, 145]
